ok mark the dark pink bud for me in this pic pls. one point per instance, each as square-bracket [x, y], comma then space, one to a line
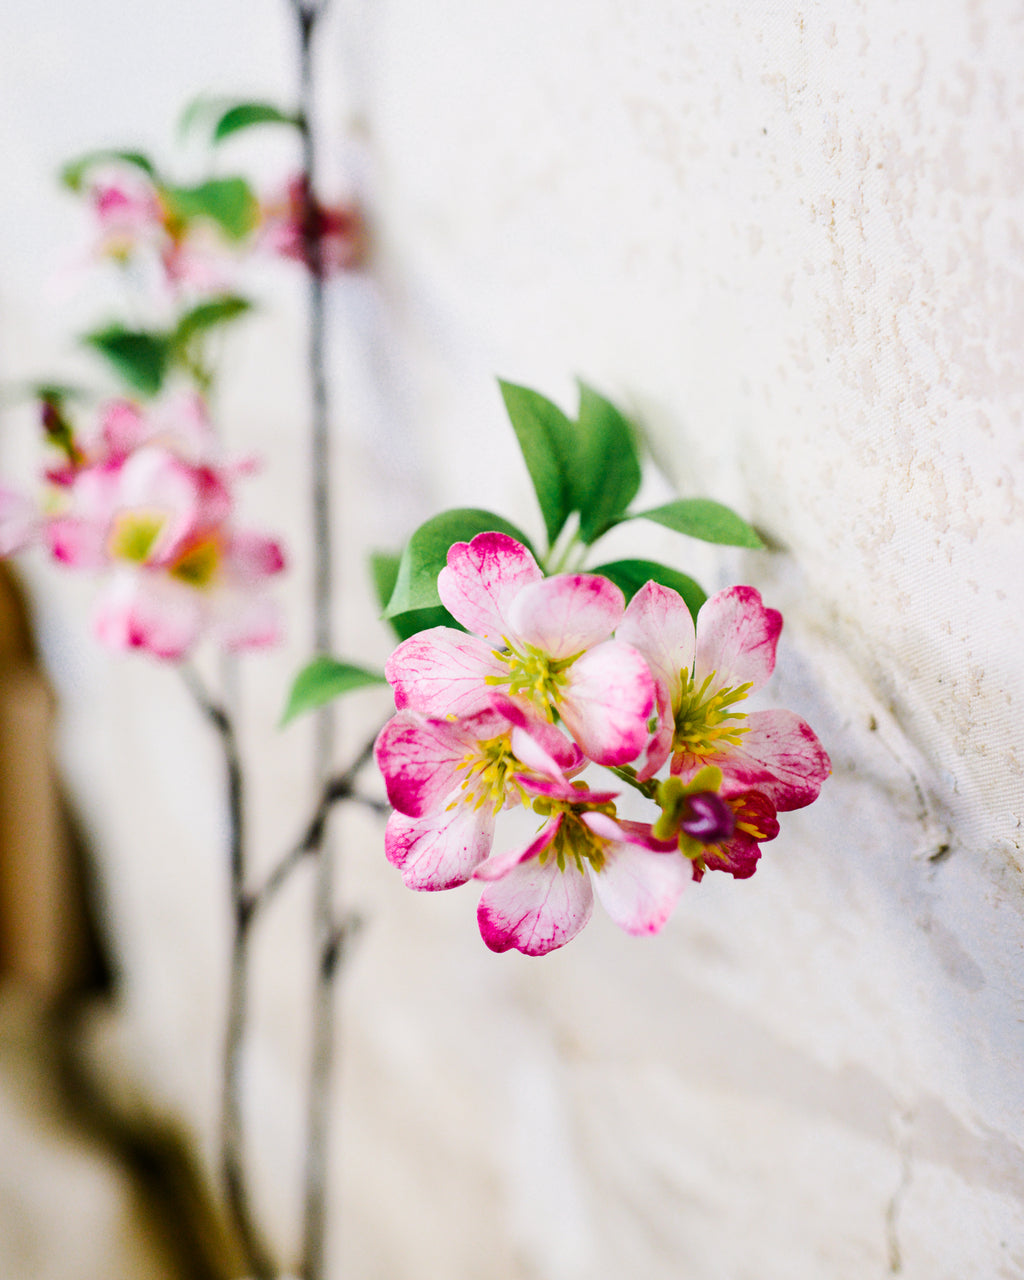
[708, 818]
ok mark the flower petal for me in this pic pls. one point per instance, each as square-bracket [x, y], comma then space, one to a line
[736, 638]
[565, 615]
[441, 851]
[502, 863]
[779, 755]
[535, 908]
[148, 611]
[78, 543]
[419, 760]
[639, 887]
[607, 703]
[442, 672]
[482, 578]
[658, 623]
[253, 557]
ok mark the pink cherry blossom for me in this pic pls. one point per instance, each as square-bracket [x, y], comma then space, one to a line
[146, 500]
[539, 896]
[545, 641]
[702, 676]
[339, 229]
[448, 779]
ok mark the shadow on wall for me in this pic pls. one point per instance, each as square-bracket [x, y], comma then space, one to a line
[84, 1184]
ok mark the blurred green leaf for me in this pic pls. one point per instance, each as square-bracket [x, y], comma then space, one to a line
[426, 554]
[630, 575]
[384, 568]
[229, 202]
[324, 679]
[606, 473]
[243, 115]
[705, 519]
[72, 175]
[207, 315]
[545, 438]
[139, 357]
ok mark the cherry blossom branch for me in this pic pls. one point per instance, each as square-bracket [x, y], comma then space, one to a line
[338, 788]
[326, 930]
[257, 1257]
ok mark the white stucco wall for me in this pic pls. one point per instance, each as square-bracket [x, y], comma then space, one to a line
[786, 239]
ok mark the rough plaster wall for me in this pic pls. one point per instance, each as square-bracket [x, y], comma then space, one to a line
[788, 241]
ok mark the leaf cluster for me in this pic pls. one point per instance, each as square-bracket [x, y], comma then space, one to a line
[143, 358]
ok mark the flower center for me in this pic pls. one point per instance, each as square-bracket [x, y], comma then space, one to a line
[704, 721]
[134, 534]
[490, 770]
[574, 841]
[198, 564]
[533, 674]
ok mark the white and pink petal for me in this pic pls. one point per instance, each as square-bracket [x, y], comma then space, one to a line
[608, 702]
[568, 614]
[482, 579]
[443, 672]
[736, 637]
[535, 909]
[440, 851]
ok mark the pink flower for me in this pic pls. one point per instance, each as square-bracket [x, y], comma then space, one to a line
[539, 896]
[160, 519]
[716, 830]
[449, 779]
[545, 641]
[339, 228]
[129, 214]
[702, 676]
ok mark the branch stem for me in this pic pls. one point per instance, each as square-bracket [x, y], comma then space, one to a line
[232, 1155]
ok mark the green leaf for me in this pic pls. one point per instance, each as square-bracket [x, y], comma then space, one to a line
[229, 202]
[606, 473]
[384, 568]
[426, 554]
[72, 175]
[630, 575]
[139, 357]
[207, 315]
[324, 679]
[243, 115]
[705, 519]
[545, 438]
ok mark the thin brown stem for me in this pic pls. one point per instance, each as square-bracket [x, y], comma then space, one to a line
[257, 1256]
[325, 928]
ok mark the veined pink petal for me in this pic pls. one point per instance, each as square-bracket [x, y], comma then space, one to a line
[736, 638]
[78, 543]
[442, 672]
[658, 623]
[535, 908]
[779, 755]
[565, 615]
[639, 887]
[148, 611]
[419, 758]
[441, 851]
[481, 580]
[607, 703]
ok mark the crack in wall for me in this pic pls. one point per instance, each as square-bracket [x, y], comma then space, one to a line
[901, 1126]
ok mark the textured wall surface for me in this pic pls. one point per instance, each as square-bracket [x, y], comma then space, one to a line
[789, 242]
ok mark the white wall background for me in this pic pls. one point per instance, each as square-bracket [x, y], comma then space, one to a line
[788, 239]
